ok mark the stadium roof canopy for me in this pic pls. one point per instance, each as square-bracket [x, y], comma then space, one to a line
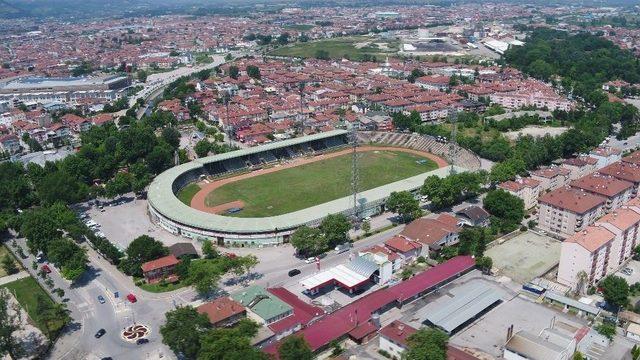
[162, 198]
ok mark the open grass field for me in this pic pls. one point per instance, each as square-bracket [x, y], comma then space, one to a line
[3, 253]
[26, 291]
[300, 187]
[186, 193]
[299, 27]
[343, 47]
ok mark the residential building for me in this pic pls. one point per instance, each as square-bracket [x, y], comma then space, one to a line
[474, 216]
[567, 210]
[393, 338]
[408, 250]
[160, 269]
[10, 143]
[584, 257]
[580, 166]
[526, 189]
[624, 224]
[606, 155]
[388, 261]
[262, 306]
[551, 178]
[615, 191]
[223, 311]
[434, 233]
[624, 171]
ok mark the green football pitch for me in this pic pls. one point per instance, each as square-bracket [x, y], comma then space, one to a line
[300, 187]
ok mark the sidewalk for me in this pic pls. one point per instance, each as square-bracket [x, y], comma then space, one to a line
[11, 278]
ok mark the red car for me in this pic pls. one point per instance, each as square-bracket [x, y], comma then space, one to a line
[131, 298]
[46, 268]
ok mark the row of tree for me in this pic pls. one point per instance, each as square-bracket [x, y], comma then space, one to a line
[332, 231]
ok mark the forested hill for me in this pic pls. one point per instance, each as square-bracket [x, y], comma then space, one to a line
[584, 61]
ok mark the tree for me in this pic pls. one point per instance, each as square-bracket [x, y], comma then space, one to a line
[171, 136]
[183, 329]
[234, 72]
[142, 75]
[202, 148]
[472, 241]
[322, 54]
[308, 241]
[231, 343]
[8, 265]
[208, 250]
[506, 208]
[160, 158]
[484, 263]
[366, 226]
[635, 352]
[335, 229]
[142, 249]
[54, 317]
[615, 290]
[283, 39]
[253, 72]
[578, 356]
[119, 185]
[404, 204]
[295, 348]
[9, 324]
[427, 343]
[607, 330]
[61, 187]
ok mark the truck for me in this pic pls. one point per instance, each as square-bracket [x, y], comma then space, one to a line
[343, 248]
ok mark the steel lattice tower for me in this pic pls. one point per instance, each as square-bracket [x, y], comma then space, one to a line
[354, 173]
[453, 148]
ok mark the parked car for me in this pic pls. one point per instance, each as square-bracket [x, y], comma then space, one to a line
[100, 333]
[342, 248]
[101, 299]
[46, 268]
[294, 272]
[142, 341]
[132, 298]
[310, 260]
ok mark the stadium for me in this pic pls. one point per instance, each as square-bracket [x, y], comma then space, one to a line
[258, 196]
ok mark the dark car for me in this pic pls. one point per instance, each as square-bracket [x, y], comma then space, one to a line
[100, 333]
[142, 341]
[107, 358]
[294, 272]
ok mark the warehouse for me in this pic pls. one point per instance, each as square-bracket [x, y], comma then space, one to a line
[469, 302]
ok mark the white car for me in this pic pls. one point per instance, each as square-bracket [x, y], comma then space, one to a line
[310, 260]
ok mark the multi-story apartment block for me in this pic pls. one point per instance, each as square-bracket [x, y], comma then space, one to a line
[606, 155]
[617, 192]
[551, 178]
[567, 210]
[526, 189]
[624, 171]
[580, 166]
[601, 249]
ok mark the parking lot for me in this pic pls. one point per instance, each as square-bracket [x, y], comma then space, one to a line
[526, 256]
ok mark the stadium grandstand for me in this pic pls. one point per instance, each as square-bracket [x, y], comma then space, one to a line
[175, 216]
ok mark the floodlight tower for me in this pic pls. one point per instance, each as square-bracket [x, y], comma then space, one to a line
[453, 148]
[226, 99]
[355, 173]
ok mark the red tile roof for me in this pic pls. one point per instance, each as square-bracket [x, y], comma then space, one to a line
[398, 332]
[221, 309]
[160, 263]
[574, 200]
[303, 312]
[401, 244]
[603, 185]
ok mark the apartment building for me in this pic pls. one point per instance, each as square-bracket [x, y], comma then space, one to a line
[526, 189]
[567, 210]
[584, 257]
[606, 155]
[551, 178]
[601, 249]
[616, 191]
[624, 171]
[580, 166]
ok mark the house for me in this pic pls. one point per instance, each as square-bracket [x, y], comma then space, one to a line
[223, 311]
[10, 143]
[183, 249]
[393, 338]
[76, 123]
[474, 216]
[262, 306]
[433, 82]
[160, 269]
[434, 233]
[408, 250]
[388, 261]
